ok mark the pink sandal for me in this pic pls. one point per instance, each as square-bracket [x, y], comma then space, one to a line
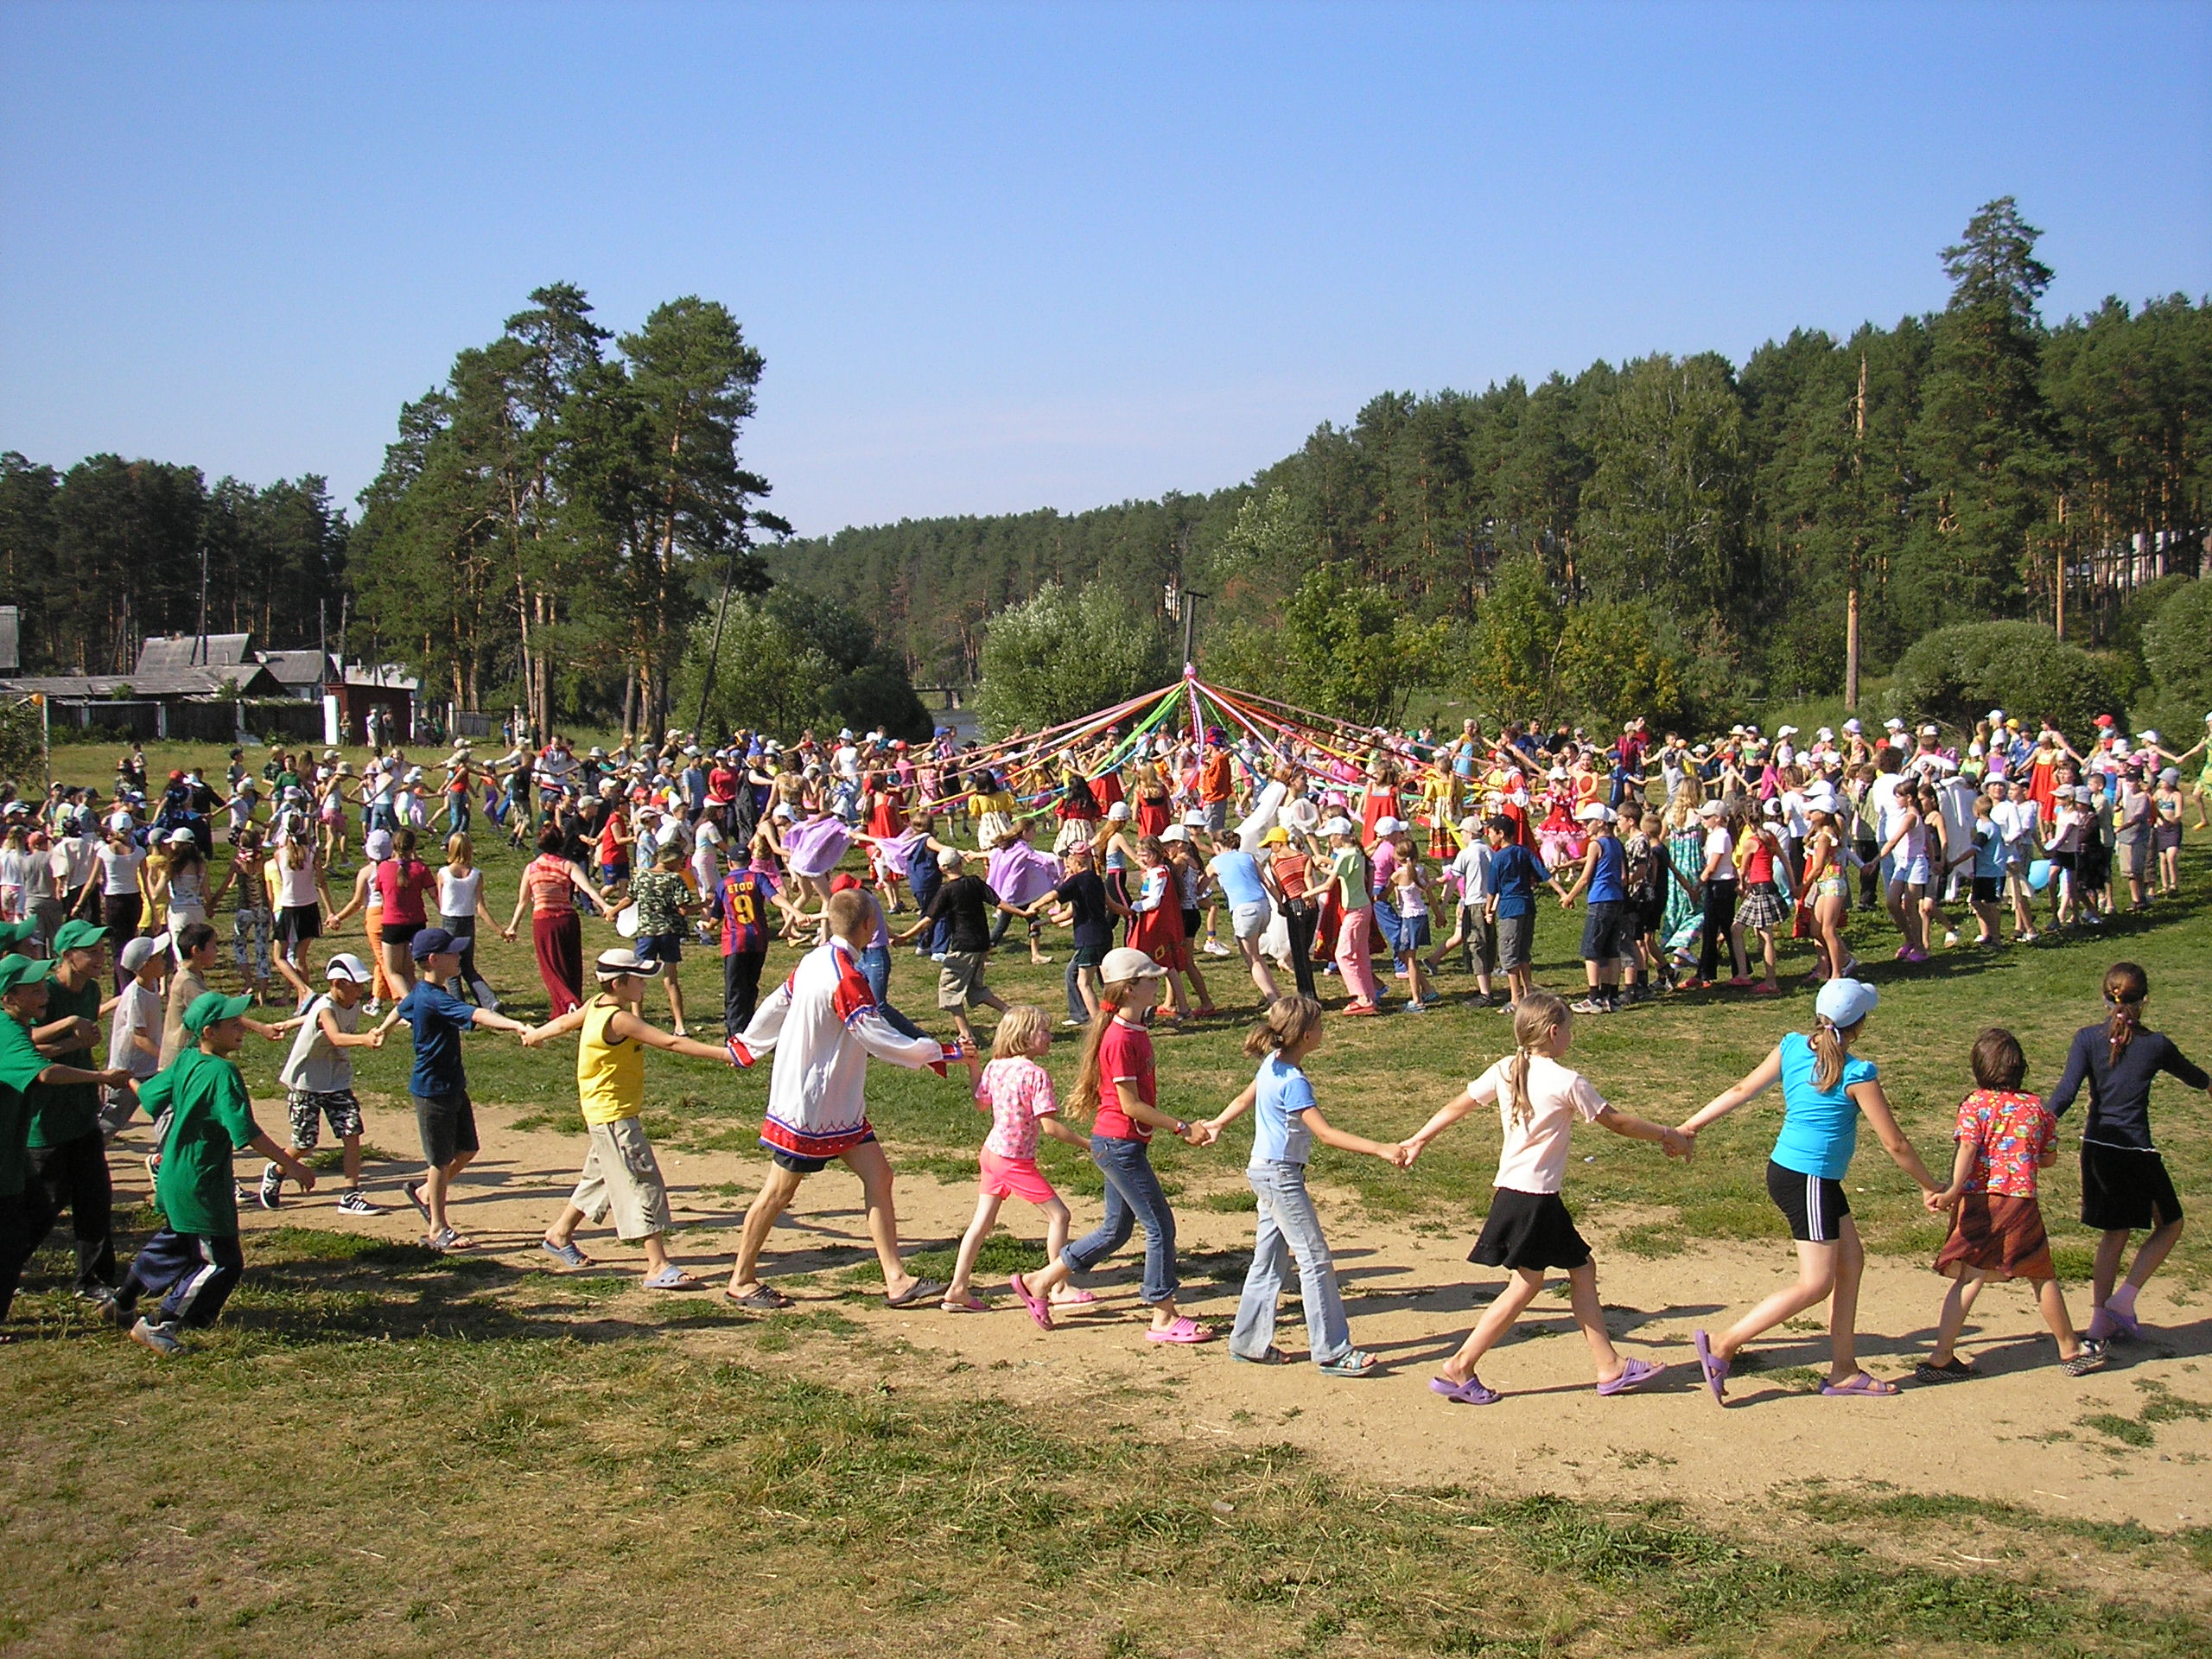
[1038, 1308]
[1184, 1330]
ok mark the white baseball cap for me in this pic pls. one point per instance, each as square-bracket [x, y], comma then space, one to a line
[1928, 731]
[1825, 734]
[1339, 826]
[1174, 832]
[1126, 963]
[1786, 731]
[1844, 1002]
[1389, 826]
[1853, 726]
[1118, 813]
[1594, 812]
[1893, 724]
[347, 966]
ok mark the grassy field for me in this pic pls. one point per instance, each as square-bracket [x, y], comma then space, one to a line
[381, 1448]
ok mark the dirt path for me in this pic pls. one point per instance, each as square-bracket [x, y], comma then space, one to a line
[2016, 1435]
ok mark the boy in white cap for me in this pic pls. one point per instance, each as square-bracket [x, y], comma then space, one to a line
[621, 1173]
[318, 1079]
[134, 1033]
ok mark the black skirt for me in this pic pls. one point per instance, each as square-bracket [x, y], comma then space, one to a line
[1528, 1229]
[2124, 1187]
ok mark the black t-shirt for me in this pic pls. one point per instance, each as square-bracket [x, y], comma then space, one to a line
[1085, 894]
[966, 903]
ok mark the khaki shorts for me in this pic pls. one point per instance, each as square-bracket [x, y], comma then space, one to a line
[960, 979]
[621, 1174]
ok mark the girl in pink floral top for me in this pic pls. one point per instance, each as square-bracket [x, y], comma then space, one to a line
[2004, 1138]
[1018, 1094]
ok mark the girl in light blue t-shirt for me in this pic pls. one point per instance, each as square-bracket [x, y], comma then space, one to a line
[1285, 1125]
[1824, 1090]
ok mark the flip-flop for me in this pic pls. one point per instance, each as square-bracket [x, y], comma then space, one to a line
[567, 1255]
[759, 1297]
[671, 1277]
[921, 1290]
[1075, 1299]
[1860, 1385]
[1715, 1370]
[1634, 1374]
[972, 1304]
[414, 1197]
[1356, 1361]
[1039, 1310]
[1273, 1356]
[1469, 1393]
[1184, 1330]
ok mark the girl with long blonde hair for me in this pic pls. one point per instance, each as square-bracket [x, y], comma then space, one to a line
[1529, 1230]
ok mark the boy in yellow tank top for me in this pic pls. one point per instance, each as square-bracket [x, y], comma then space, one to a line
[621, 1173]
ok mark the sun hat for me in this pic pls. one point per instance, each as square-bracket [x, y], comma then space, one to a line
[378, 845]
[625, 964]
[1118, 813]
[16, 970]
[1844, 1002]
[348, 967]
[2170, 775]
[435, 941]
[77, 934]
[211, 1008]
[137, 952]
[1273, 837]
[1194, 819]
[1126, 963]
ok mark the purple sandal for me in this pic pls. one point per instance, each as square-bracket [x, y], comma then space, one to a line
[1469, 1393]
[1715, 1370]
[1634, 1374]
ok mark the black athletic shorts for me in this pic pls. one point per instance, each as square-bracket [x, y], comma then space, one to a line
[2121, 1186]
[799, 1166]
[1987, 889]
[1813, 1205]
[447, 1124]
[1608, 933]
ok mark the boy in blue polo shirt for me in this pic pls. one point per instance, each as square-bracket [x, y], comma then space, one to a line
[194, 1263]
[443, 1114]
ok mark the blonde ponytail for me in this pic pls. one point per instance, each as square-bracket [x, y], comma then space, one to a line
[1831, 1047]
[1537, 1017]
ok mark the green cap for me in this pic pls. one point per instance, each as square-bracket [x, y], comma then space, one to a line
[23, 971]
[213, 1008]
[78, 934]
[14, 933]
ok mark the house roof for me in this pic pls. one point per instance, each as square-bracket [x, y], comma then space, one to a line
[247, 679]
[162, 652]
[296, 667]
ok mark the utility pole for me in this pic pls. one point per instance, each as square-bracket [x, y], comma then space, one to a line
[200, 650]
[1183, 607]
[1851, 602]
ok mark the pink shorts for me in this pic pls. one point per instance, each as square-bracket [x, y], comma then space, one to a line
[1014, 1177]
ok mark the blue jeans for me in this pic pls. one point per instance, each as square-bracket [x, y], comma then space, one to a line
[876, 967]
[1289, 1228]
[1133, 1199]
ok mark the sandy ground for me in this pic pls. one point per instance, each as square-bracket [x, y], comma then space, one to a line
[2014, 1434]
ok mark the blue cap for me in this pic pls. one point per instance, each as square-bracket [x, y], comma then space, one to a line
[433, 941]
[1844, 1002]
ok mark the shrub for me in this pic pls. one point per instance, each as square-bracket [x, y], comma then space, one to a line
[1959, 674]
[1059, 655]
[2177, 647]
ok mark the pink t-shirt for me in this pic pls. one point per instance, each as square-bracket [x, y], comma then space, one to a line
[1533, 1157]
[1019, 1092]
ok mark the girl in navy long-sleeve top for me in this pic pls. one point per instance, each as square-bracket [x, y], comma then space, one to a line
[2125, 1184]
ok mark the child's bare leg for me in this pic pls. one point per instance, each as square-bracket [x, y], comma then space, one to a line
[1497, 1319]
[1590, 1314]
[655, 1245]
[1843, 1307]
[1056, 1228]
[350, 1154]
[2051, 1301]
[676, 1003]
[971, 1244]
[1958, 1302]
[1816, 1274]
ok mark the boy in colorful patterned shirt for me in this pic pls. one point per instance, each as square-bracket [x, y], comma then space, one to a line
[2004, 1137]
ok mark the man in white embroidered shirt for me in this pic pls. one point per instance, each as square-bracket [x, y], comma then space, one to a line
[822, 1024]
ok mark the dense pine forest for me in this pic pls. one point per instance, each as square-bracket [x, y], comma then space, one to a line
[1970, 464]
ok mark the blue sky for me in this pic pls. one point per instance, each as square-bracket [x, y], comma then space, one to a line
[1008, 257]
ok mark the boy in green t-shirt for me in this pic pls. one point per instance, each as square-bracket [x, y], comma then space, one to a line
[23, 1001]
[194, 1262]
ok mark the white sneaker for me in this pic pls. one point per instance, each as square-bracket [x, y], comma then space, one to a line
[1951, 940]
[373, 1007]
[1216, 948]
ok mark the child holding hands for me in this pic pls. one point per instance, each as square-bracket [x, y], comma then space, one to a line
[1528, 1229]
[1017, 1091]
[1285, 1125]
[2004, 1137]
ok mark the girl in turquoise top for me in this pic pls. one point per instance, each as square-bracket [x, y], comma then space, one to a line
[1823, 1091]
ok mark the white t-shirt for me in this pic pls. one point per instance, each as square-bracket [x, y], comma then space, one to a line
[316, 1066]
[2015, 821]
[75, 857]
[1720, 852]
[138, 1011]
[1533, 1157]
[706, 854]
[457, 893]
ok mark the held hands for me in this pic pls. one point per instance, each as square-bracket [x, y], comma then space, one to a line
[1940, 1200]
[1677, 1143]
[530, 1036]
[1402, 1156]
[1201, 1134]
